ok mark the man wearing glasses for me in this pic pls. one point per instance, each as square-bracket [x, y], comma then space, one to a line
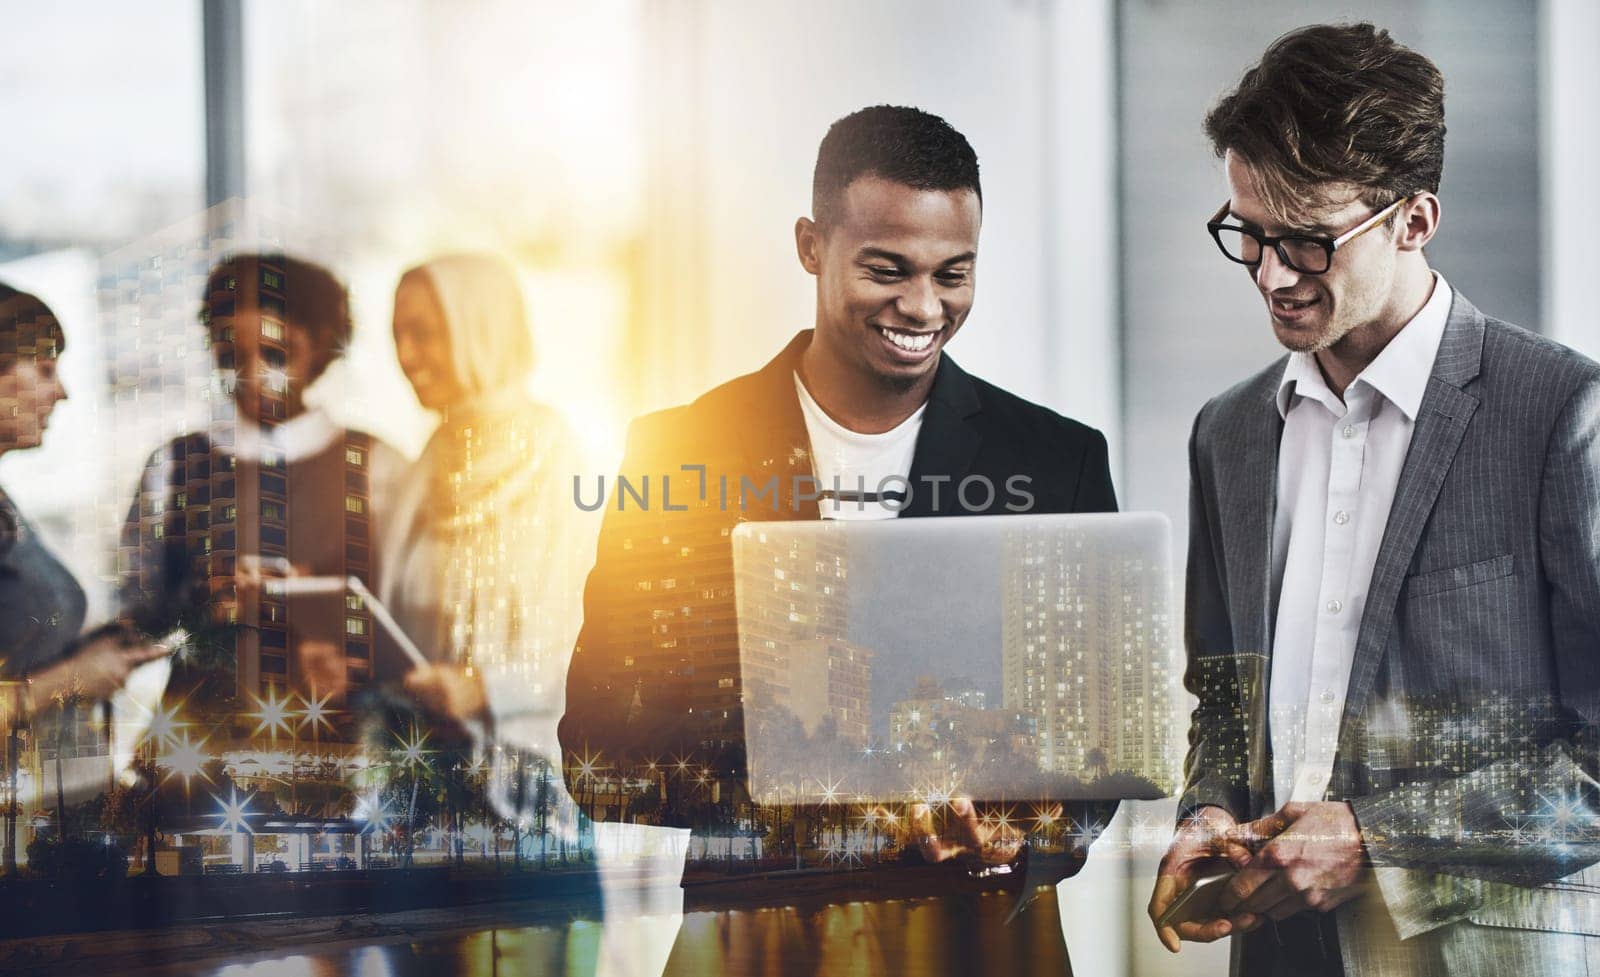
[1393, 590]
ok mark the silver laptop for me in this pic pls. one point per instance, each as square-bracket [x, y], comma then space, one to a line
[1019, 657]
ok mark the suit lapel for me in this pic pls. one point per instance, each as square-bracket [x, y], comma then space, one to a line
[1247, 492]
[1441, 424]
[1248, 502]
[948, 441]
[773, 435]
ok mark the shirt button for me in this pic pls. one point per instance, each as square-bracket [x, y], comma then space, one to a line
[1341, 517]
[1335, 606]
[1316, 779]
[1327, 695]
[1349, 431]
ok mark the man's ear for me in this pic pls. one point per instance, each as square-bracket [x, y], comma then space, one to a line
[1419, 221]
[808, 244]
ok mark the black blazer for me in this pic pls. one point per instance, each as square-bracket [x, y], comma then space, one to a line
[655, 675]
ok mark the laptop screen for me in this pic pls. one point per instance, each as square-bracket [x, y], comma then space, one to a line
[998, 657]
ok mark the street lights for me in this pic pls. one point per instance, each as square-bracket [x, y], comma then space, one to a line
[412, 753]
[187, 759]
[588, 770]
[233, 813]
[373, 811]
[317, 715]
[162, 731]
[274, 715]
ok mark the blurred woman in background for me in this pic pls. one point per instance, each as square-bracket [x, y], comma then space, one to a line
[486, 551]
[273, 488]
[47, 664]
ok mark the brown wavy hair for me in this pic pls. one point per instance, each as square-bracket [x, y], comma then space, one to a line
[1335, 104]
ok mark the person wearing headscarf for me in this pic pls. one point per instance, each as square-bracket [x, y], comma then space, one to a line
[486, 550]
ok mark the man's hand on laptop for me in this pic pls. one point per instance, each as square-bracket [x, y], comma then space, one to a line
[976, 840]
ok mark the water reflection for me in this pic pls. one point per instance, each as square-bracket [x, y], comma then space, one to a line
[936, 937]
[556, 951]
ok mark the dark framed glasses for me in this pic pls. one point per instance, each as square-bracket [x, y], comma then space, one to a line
[1305, 253]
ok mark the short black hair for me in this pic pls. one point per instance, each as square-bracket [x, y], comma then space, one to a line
[28, 329]
[900, 144]
[292, 289]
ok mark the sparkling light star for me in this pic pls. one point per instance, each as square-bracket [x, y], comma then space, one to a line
[165, 724]
[372, 809]
[234, 810]
[412, 751]
[316, 713]
[588, 766]
[1086, 834]
[272, 714]
[185, 759]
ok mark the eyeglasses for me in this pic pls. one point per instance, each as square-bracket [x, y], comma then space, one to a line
[1304, 253]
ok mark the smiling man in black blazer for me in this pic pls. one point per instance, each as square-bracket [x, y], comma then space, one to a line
[865, 416]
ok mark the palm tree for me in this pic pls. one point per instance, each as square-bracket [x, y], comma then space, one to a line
[1098, 762]
[66, 717]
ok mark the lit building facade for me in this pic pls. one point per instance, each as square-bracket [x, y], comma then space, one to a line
[1086, 638]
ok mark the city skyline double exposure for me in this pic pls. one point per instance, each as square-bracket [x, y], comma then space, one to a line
[1039, 663]
[473, 482]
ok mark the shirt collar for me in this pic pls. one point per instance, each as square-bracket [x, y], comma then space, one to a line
[300, 437]
[1399, 373]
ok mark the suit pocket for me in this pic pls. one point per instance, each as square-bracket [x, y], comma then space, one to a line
[1569, 905]
[1454, 578]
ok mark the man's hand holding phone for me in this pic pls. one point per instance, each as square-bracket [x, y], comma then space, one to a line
[1194, 873]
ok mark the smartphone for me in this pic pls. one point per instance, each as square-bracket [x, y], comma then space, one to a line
[1198, 902]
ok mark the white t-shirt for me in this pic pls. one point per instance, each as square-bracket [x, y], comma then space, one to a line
[859, 476]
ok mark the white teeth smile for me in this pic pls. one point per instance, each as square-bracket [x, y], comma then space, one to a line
[911, 342]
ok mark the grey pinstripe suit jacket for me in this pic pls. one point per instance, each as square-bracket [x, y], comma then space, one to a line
[1467, 746]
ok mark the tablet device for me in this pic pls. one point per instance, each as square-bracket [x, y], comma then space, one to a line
[298, 586]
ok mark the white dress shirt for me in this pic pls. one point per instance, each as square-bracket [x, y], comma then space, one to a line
[1338, 466]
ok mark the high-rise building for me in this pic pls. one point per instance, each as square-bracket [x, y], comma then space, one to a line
[794, 615]
[1086, 637]
[826, 678]
[670, 632]
[920, 721]
[1234, 686]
